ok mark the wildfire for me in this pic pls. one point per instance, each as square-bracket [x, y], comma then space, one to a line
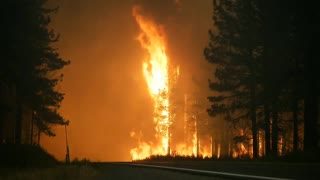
[160, 77]
[156, 73]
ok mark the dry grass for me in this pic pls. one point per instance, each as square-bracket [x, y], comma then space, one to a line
[82, 172]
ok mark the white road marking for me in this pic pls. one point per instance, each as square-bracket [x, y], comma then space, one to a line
[205, 172]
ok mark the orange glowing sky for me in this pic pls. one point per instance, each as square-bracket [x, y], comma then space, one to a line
[106, 94]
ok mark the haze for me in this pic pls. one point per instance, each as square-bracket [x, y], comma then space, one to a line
[106, 93]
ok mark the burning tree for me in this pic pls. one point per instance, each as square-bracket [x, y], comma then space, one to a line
[161, 76]
[156, 73]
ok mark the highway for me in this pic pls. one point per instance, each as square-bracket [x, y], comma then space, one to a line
[235, 170]
[204, 170]
[122, 171]
[169, 170]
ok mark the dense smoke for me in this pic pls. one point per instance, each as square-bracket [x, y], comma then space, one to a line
[160, 11]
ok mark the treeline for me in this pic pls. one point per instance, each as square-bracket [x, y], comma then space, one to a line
[266, 76]
[29, 71]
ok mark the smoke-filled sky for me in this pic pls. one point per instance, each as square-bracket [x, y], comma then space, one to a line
[106, 94]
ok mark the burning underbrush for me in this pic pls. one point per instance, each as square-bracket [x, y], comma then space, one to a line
[153, 158]
[175, 158]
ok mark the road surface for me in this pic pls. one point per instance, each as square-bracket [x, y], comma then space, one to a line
[297, 171]
[119, 171]
[170, 170]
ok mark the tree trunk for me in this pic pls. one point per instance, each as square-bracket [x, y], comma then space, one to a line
[254, 128]
[31, 131]
[310, 123]
[295, 125]
[18, 127]
[39, 135]
[1, 127]
[284, 145]
[169, 139]
[267, 129]
[224, 144]
[310, 108]
[311, 73]
[275, 129]
[198, 144]
[213, 146]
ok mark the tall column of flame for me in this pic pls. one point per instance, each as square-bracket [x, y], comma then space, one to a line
[156, 73]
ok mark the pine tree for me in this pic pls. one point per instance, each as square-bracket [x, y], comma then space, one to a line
[30, 62]
[265, 62]
[235, 51]
[308, 32]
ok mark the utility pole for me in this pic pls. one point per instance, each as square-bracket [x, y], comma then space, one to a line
[67, 154]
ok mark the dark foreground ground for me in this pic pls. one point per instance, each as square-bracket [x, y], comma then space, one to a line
[98, 172]
[32, 162]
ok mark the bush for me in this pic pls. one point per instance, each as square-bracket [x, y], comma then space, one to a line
[21, 156]
[83, 161]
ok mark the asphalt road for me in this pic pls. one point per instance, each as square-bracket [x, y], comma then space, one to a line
[303, 171]
[126, 172]
[169, 170]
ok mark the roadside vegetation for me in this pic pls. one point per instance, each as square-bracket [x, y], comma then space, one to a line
[59, 172]
[295, 157]
[32, 162]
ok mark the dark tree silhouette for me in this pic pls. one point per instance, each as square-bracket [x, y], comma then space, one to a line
[308, 29]
[30, 63]
[235, 51]
[290, 62]
[266, 66]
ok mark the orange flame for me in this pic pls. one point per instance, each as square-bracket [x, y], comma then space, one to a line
[195, 140]
[156, 73]
[159, 78]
